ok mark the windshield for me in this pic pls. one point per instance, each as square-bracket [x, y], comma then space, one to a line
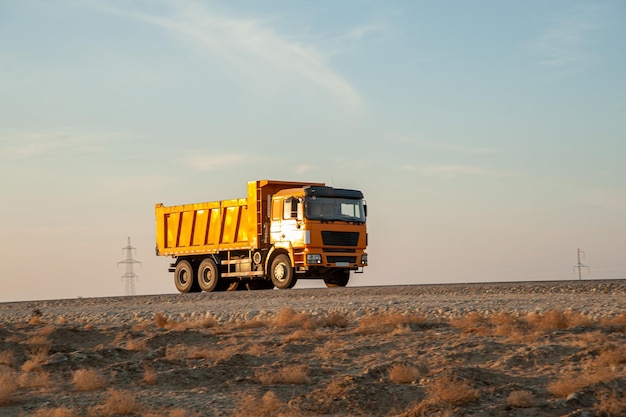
[320, 208]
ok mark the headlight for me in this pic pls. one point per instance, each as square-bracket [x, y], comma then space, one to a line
[364, 259]
[314, 258]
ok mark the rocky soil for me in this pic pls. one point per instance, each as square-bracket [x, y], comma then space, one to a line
[501, 349]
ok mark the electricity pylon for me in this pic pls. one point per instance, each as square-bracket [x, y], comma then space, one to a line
[129, 277]
[579, 265]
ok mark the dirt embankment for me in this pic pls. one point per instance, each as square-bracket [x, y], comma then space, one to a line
[514, 349]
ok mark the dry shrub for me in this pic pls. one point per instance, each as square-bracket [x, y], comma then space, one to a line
[38, 344]
[6, 357]
[139, 345]
[386, 322]
[472, 322]
[520, 399]
[121, 403]
[176, 353]
[8, 386]
[149, 375]
[569, 384]
[268, 405]
[611, 356]
[88, 380]
[35, 320]
[302, 334]
[37, 359]
[506, 324]
[610, 403]
[53, 412]
[39, 379]
[452, 391]
[334, 319]
[403, 374]
[557, 320]
[332, 349]
[292, 374]
[162, 321]
[288, 317]
[253, 323]
[618, 322]
[428, 408]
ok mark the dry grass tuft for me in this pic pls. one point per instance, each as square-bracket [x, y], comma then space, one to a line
[334, 319]
[253, 323]
[149, 375]
[610, 403]
[88, 380]
[121, 403]
[452, 391]
[288, 317]
[38, 344]
[292, 374]
[302, 334]
[570, 383]
[557, 320]
[611, 356]
[8, 386]
[138, 345]
[36, 361]
[53, 412]
[469, 323]
[162, 321]
[388, 322]
[39, 379]
[403, 374]
[520, 399]
[6, 357]
[268, 405]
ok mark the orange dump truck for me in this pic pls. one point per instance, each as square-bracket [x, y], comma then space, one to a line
[282, 231]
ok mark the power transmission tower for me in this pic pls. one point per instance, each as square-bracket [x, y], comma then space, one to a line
[579, 265]
[129, 277]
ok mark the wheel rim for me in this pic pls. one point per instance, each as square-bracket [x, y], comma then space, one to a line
[182, 277]
[207, 276]
[280, 272]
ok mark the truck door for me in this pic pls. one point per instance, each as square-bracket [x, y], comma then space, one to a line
[287, 221]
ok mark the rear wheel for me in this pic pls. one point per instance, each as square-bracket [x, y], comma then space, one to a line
[208, 275]
[183, 277]
[338, 278]
[281, 272]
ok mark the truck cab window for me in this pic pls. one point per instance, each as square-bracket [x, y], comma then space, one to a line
[276, 207]
[290, 209]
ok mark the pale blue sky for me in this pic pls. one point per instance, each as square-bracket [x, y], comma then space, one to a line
[487, 136]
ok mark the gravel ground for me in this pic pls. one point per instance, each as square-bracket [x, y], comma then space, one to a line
[595, 298]
[322, 352]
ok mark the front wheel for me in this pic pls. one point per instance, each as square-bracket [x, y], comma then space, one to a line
[208, 275]
[281, 272]
[183, 277]
[338, 278]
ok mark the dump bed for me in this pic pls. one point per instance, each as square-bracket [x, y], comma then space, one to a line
[217, 226]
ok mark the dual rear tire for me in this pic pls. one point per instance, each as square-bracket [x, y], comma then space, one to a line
[207, 276]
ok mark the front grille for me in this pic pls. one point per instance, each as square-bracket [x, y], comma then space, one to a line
[340, 238]
[333, 259]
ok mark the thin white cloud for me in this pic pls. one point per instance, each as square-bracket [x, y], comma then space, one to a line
[566, 44]
[450, 170]
[360, 32]
[248, 43]
[462, 149]
[29, 144]
[216, 162]
[603, 198]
